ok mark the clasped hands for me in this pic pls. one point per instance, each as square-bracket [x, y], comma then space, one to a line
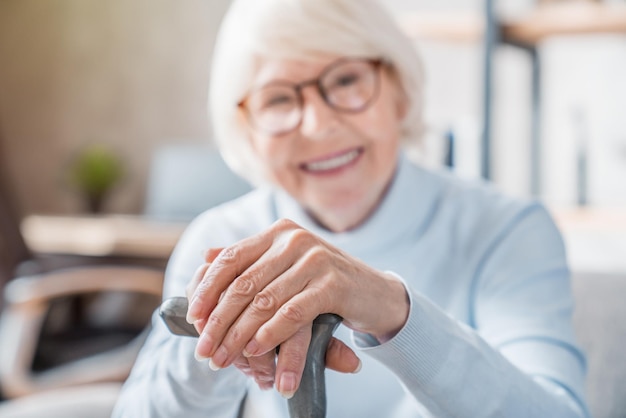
[266, 290]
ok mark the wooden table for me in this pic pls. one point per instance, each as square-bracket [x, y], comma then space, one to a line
[595, 237]
[109, 235]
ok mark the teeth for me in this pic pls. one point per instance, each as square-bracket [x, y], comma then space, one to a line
[332, 163]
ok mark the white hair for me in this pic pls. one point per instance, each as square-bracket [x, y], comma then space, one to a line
[301, 29]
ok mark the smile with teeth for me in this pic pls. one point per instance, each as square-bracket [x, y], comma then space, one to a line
[332, 163]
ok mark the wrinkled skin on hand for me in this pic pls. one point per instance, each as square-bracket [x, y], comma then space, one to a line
[266, 290]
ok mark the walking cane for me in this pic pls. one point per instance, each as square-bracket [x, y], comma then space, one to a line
[309, 401]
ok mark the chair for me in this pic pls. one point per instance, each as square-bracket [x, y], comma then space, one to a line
[67, 320]
[93, 401]
[56, 325]
[601, 329]
[185, 180]
[74, 326]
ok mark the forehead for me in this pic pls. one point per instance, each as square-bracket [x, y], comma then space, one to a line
[294, 70]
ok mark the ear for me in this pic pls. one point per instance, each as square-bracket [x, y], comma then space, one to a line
[402, 103]
[400, 97]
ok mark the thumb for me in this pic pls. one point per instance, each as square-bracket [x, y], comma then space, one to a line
[341, 358]
[211, 254]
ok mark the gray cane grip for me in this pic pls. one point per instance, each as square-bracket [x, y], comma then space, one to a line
[173, 311]
[309, 401]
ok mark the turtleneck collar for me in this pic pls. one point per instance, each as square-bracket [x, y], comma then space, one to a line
[405, 207]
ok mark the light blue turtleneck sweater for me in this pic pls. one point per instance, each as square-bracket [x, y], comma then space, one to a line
[489, 332]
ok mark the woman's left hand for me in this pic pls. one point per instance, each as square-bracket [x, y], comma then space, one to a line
[266, 290]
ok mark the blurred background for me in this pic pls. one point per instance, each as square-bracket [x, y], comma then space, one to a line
[103, 110]
[132, 74]
[541, 115]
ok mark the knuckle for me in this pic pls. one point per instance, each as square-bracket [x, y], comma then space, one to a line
[234, 338]
[299, 236]
[244, 286]
[264, 302]
[227, 256]
[292, 313]
[283, 224]
[315, 255]
[264, 370]
[215, 321]
[202, 287]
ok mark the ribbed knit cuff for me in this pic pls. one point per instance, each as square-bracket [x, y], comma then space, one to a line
[419, 350]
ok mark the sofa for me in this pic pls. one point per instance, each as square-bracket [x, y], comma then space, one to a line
[600, 324]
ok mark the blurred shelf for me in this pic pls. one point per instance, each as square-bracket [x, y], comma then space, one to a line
[108, 235]
[565, 18]
[543, 21]
[595, 238]
[445, 27]
[592, 218]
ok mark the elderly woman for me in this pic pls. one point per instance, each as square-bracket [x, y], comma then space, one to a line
[455, 299]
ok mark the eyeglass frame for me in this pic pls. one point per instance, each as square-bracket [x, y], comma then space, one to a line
[317, 82]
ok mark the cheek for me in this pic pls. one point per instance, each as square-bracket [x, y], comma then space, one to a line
[264, 147]
[383, 120]
[273, 154]
[380, 124]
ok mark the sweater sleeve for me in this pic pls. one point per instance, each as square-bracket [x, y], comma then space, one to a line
[166, 380]
[517, 357]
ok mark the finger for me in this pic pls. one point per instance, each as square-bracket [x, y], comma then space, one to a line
[262, 375]
[243, 365]
[247, 303]
[250, 300]
[234, 260]
[197, 276]
[228, 264]
[341, 358]
[211, 254]
[199, 326]
[300, 310]
[263, 369]
[291, 361]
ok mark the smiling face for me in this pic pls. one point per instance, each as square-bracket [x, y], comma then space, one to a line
[336, 164]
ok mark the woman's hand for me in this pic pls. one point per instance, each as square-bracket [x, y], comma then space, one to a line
[266, 290]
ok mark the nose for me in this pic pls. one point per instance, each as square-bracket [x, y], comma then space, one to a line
[318, 118]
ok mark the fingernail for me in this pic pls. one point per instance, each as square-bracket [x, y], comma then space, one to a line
[206, 345]
[250, 349]
[219, 357]
[358, 368]
[191, 311]
[287, 385]
[213, 366]
[198, 356]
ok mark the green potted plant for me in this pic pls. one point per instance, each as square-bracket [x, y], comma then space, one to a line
[94, 171]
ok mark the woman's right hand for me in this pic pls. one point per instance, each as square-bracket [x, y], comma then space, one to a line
[262, 369]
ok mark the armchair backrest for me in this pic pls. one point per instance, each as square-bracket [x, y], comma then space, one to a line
[187, 179]
[13, 249]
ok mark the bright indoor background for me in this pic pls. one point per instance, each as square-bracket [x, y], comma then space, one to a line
[133, 74]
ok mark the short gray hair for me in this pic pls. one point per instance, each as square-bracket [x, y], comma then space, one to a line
[301, 29]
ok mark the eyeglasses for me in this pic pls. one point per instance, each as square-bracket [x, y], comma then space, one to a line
[348, 85]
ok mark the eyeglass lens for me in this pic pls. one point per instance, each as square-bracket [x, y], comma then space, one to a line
[347, 86]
